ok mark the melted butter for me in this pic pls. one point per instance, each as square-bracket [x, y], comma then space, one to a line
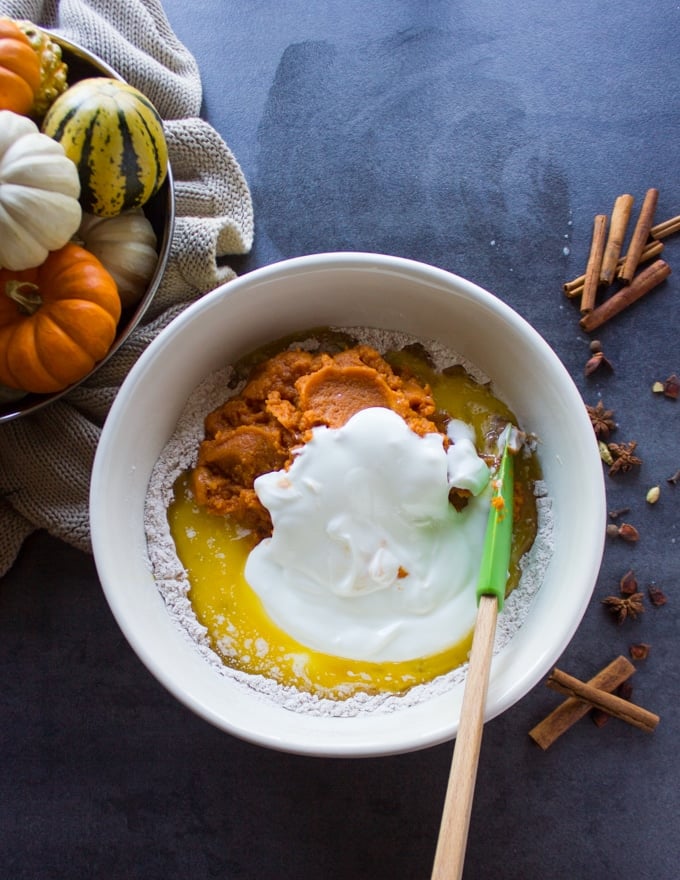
[214, 555]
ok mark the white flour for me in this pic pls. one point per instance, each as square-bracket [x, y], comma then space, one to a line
[180, 454]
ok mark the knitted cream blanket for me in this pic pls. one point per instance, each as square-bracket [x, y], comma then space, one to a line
[46, 458]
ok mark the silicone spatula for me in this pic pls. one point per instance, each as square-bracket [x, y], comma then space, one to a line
[493, 576]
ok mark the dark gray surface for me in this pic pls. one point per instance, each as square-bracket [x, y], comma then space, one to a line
[481, 137]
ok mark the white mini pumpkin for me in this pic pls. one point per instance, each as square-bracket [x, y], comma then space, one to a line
[39, 190]
[126, 247]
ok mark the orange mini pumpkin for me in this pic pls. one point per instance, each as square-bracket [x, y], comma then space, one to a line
[56, 321]
[20, 75]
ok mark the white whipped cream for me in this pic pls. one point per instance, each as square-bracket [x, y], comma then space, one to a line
[368, 559]
[466, 470]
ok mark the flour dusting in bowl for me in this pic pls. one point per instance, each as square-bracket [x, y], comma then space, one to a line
[310, 684]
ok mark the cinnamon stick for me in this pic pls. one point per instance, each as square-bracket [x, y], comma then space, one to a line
[574, 288]
[617, 232]
[594, 264]
[640, 235]
[625, 710]
[572, 710]
[668, 227]
[647, 280]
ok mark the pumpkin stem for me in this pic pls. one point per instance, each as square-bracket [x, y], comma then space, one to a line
[25, 294]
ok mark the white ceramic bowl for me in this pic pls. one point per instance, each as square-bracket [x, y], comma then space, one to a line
[345, 289]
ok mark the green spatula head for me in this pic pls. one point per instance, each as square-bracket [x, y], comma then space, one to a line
[494, 569]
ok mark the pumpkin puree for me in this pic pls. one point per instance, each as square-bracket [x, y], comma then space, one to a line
[285, 397]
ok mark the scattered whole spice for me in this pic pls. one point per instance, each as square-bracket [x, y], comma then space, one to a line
[601, 419]
[639, 651]
[605, 454]
[641, 285]
[628, 584]
[597, 358]
[644, 245]
[571, 710]
[595, 361]
[592, 279]
[617, 233]
[625, 690]
[610, 703]
[624, 459]
[668, 227]
[573, 289]
[671, 387]
[599, 717]
[626, 531]
[652, 495]
[641, 233]
[623, 607]
[656, 596]
[619, 457]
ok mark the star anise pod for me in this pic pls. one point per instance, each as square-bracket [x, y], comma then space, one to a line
[601, 419]
[625, 606]
[624, 459]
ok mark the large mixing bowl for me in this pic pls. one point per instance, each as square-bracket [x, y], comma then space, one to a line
[345, 290]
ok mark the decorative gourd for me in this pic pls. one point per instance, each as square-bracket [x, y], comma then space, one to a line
[126, 247]
[39, 188]
[53, 68]
[56, 320]
[19, 69]
[115, 136]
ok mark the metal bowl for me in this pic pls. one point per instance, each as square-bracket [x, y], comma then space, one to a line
[160, 211]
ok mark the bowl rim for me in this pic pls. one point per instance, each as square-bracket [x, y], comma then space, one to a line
[165, 197]
[315, 734]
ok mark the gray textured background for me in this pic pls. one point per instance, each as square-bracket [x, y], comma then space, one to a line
[481, 137]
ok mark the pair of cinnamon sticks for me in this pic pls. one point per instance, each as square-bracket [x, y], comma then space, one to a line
[597, 693]
[606, 264]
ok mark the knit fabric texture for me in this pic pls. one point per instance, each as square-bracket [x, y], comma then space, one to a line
[46, 457]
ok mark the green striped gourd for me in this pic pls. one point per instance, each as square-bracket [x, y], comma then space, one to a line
[115, 136]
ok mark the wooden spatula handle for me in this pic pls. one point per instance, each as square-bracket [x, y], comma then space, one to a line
[453, 831]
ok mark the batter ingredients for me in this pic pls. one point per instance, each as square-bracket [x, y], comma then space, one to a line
[344, 598]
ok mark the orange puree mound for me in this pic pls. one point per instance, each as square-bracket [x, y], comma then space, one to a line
[285, 397]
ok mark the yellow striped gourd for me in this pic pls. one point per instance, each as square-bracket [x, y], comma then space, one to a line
[115, 136]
